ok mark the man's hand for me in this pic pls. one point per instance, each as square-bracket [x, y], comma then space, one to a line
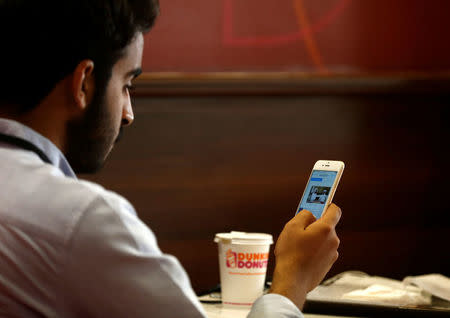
[305, 251]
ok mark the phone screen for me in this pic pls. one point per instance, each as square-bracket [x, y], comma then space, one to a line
[317, 192]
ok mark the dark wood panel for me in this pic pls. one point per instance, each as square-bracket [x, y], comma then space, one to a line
[290, 83]
[195, 166]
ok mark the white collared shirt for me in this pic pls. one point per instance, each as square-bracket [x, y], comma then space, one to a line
[70, 248]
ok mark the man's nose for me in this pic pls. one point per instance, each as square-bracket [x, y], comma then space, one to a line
[127, 115]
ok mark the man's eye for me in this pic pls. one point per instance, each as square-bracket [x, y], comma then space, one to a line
[129, 87]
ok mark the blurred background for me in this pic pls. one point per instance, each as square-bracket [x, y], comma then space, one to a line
[239, 98]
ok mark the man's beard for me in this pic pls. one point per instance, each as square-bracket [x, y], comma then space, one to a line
[90, 138]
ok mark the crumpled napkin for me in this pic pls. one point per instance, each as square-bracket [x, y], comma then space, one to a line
[435, 284]
[358, 286]
[403, 295]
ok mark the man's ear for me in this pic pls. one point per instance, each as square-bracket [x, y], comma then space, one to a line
[83, 84]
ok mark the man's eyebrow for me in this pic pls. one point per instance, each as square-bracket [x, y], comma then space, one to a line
[134, 73]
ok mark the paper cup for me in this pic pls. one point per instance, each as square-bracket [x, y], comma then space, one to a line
[243, 261]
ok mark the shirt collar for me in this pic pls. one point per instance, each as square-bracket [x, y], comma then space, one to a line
[16, 129]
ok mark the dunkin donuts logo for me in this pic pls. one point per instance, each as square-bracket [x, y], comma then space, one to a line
[246, 260]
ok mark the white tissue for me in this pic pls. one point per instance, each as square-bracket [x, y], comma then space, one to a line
[359, 287]
[436, 284]
[403, 296]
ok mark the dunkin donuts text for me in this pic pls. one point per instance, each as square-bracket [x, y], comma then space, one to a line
[246, 260]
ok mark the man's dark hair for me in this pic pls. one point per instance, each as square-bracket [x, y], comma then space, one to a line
[42, 41]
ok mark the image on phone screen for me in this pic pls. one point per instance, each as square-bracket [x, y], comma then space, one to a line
[317, 192]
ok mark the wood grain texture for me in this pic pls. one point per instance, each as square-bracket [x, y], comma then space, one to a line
[196, 165]
[289, 84]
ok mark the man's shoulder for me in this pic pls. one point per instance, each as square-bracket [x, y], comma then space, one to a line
[41, 200]
[101, 195]
[74, 198]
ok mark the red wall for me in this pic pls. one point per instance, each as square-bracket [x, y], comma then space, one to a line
[300, 35]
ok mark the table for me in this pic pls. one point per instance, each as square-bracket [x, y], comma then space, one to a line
[217, 311]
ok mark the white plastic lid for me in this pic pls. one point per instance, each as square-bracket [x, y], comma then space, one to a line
[235, 237]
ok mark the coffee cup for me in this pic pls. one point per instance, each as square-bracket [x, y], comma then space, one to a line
[243, 259]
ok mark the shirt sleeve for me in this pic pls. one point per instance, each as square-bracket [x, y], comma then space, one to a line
[274, 306]
[114, 268]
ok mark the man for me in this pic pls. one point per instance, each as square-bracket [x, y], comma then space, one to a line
[323, 196]
[69, 248]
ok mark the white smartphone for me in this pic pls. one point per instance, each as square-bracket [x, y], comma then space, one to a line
[321, 186]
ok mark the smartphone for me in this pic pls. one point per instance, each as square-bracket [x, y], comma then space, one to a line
[321, 186]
